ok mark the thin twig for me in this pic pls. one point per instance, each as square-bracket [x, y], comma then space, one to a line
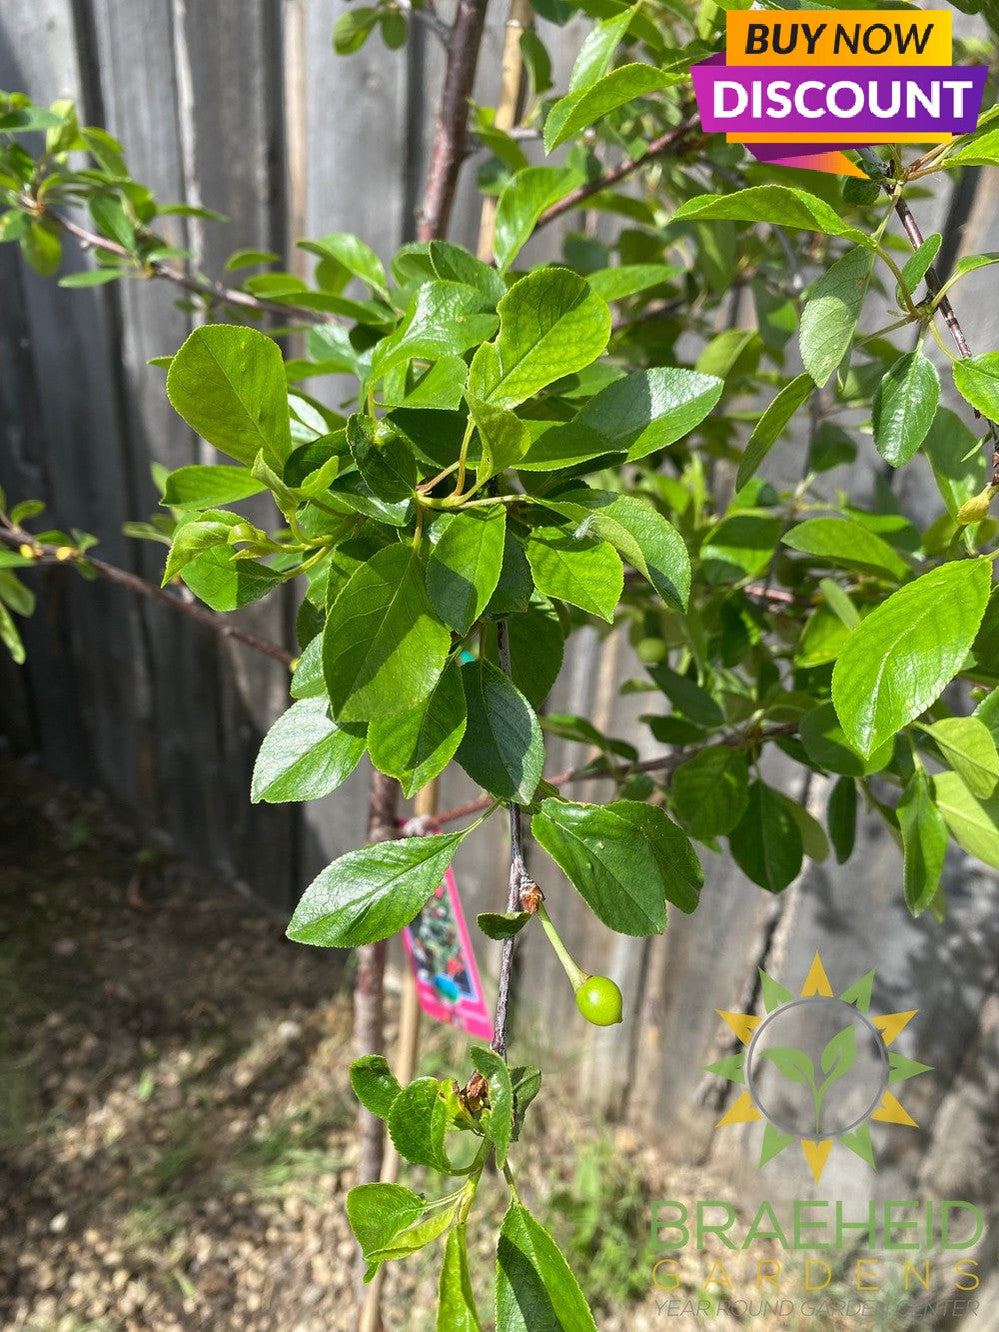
[664, 763]
[452, 122]
[210, 291]
[518, 878]
[671, 139]
[48, 555]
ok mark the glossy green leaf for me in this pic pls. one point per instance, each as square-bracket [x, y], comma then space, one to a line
[464, 565]
[581, 570]
[777, 204]
[305, 755]
[983, 150]
[386, 464]
[831, 312]
[535, 1290]
[625, 859]
[902, 656]
[417, 745]
[454, 264]
[205, 487]
[10, 637]
[968, 746]
[957, 460]
[917, 264]
[621, 86]
[827, 746]
[502, 749]
[529, 193]
[770, 426]
[226, 583]
[766, 843]
[974, 823]
[742, 545]
[536, 642]
[379, 1212]
[503, 438]
[841, 818]
[597, 52]
[383, 647]
[496, 1073]
[228, 384]
[710, 791]
[444, 319]
[501, 925]
[614, 284]
[374, 1084]
[372, 892]
[924, 842]
[850, 544]
[551, 325]
[905, 403]
[976, 378]
[456, 1310]
[418, 1122]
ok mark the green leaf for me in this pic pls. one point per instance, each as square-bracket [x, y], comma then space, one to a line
[496, 1073]
[771, 424]
[535, 1290]
[581, 570]
[814, 842]
[383, 648]
[551, 326]
[829, 319]
[621, 86]
[974, 823]
[108, 213]
[500, 925]
[444, 319]
[225, 582]
[614, 284]
[456, 1310]
[418, 1122]
[982, 151]
[464, 566]
[902, 656]
[841, 818]
[639, 414]
[372, 892]
[418, 745]
[741, 546]
[827, 746]
[386, 464]
[374, 1084]
[976, 378]
[205, 487]
[597, 52]
[917, 264]
[378, 1212]
[625, 859]
[307, 680]
[305, 755]
[766, 843]
[503, 438]
[9, 636]
[536, 644]
[850, 544]
[528, 194]
[776, 204]
[967, 745]
[687, 696]
[502, 749]
[905, 403]
[228, 384]
[452, 263]
[352, 256]
[957, 461]
[41, 247]
[92, 277]
[924, 842]
[710, 791]
[352, 29]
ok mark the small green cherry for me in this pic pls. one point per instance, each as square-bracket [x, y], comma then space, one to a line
[599, 1001]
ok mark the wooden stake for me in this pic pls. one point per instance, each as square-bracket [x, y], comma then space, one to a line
[520, 18]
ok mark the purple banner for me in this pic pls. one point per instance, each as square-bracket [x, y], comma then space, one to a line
[836, 101]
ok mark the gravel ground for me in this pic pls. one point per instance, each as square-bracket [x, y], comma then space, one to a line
[175, 1114]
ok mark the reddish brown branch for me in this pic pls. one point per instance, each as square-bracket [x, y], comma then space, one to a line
[452, 121]
[49, 555]
[672, 139]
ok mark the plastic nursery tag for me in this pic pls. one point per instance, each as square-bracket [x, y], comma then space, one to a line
[440, 951]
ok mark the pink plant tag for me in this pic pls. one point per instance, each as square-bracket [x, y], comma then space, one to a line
[440, 952]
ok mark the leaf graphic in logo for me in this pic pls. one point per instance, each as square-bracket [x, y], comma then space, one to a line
[839, 1056]
[793, 1064]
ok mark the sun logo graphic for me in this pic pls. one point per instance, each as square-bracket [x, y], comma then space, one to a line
[818, 1068]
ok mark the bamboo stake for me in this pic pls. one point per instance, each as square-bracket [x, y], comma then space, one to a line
[519, 20]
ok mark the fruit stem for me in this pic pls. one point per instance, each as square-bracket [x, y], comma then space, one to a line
[575, 974]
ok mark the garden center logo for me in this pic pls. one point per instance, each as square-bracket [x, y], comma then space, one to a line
[817, 1068]
[834, 79]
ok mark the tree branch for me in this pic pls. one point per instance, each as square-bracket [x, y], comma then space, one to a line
[518, 878]
[210, 291]
[64, 556]
[452, 121]
[672, 139]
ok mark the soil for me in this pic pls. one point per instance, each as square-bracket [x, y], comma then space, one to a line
[176, 1118]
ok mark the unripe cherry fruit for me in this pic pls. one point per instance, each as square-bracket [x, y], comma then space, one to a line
[599, 1001]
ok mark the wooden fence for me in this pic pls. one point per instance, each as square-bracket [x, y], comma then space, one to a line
[242, 106]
